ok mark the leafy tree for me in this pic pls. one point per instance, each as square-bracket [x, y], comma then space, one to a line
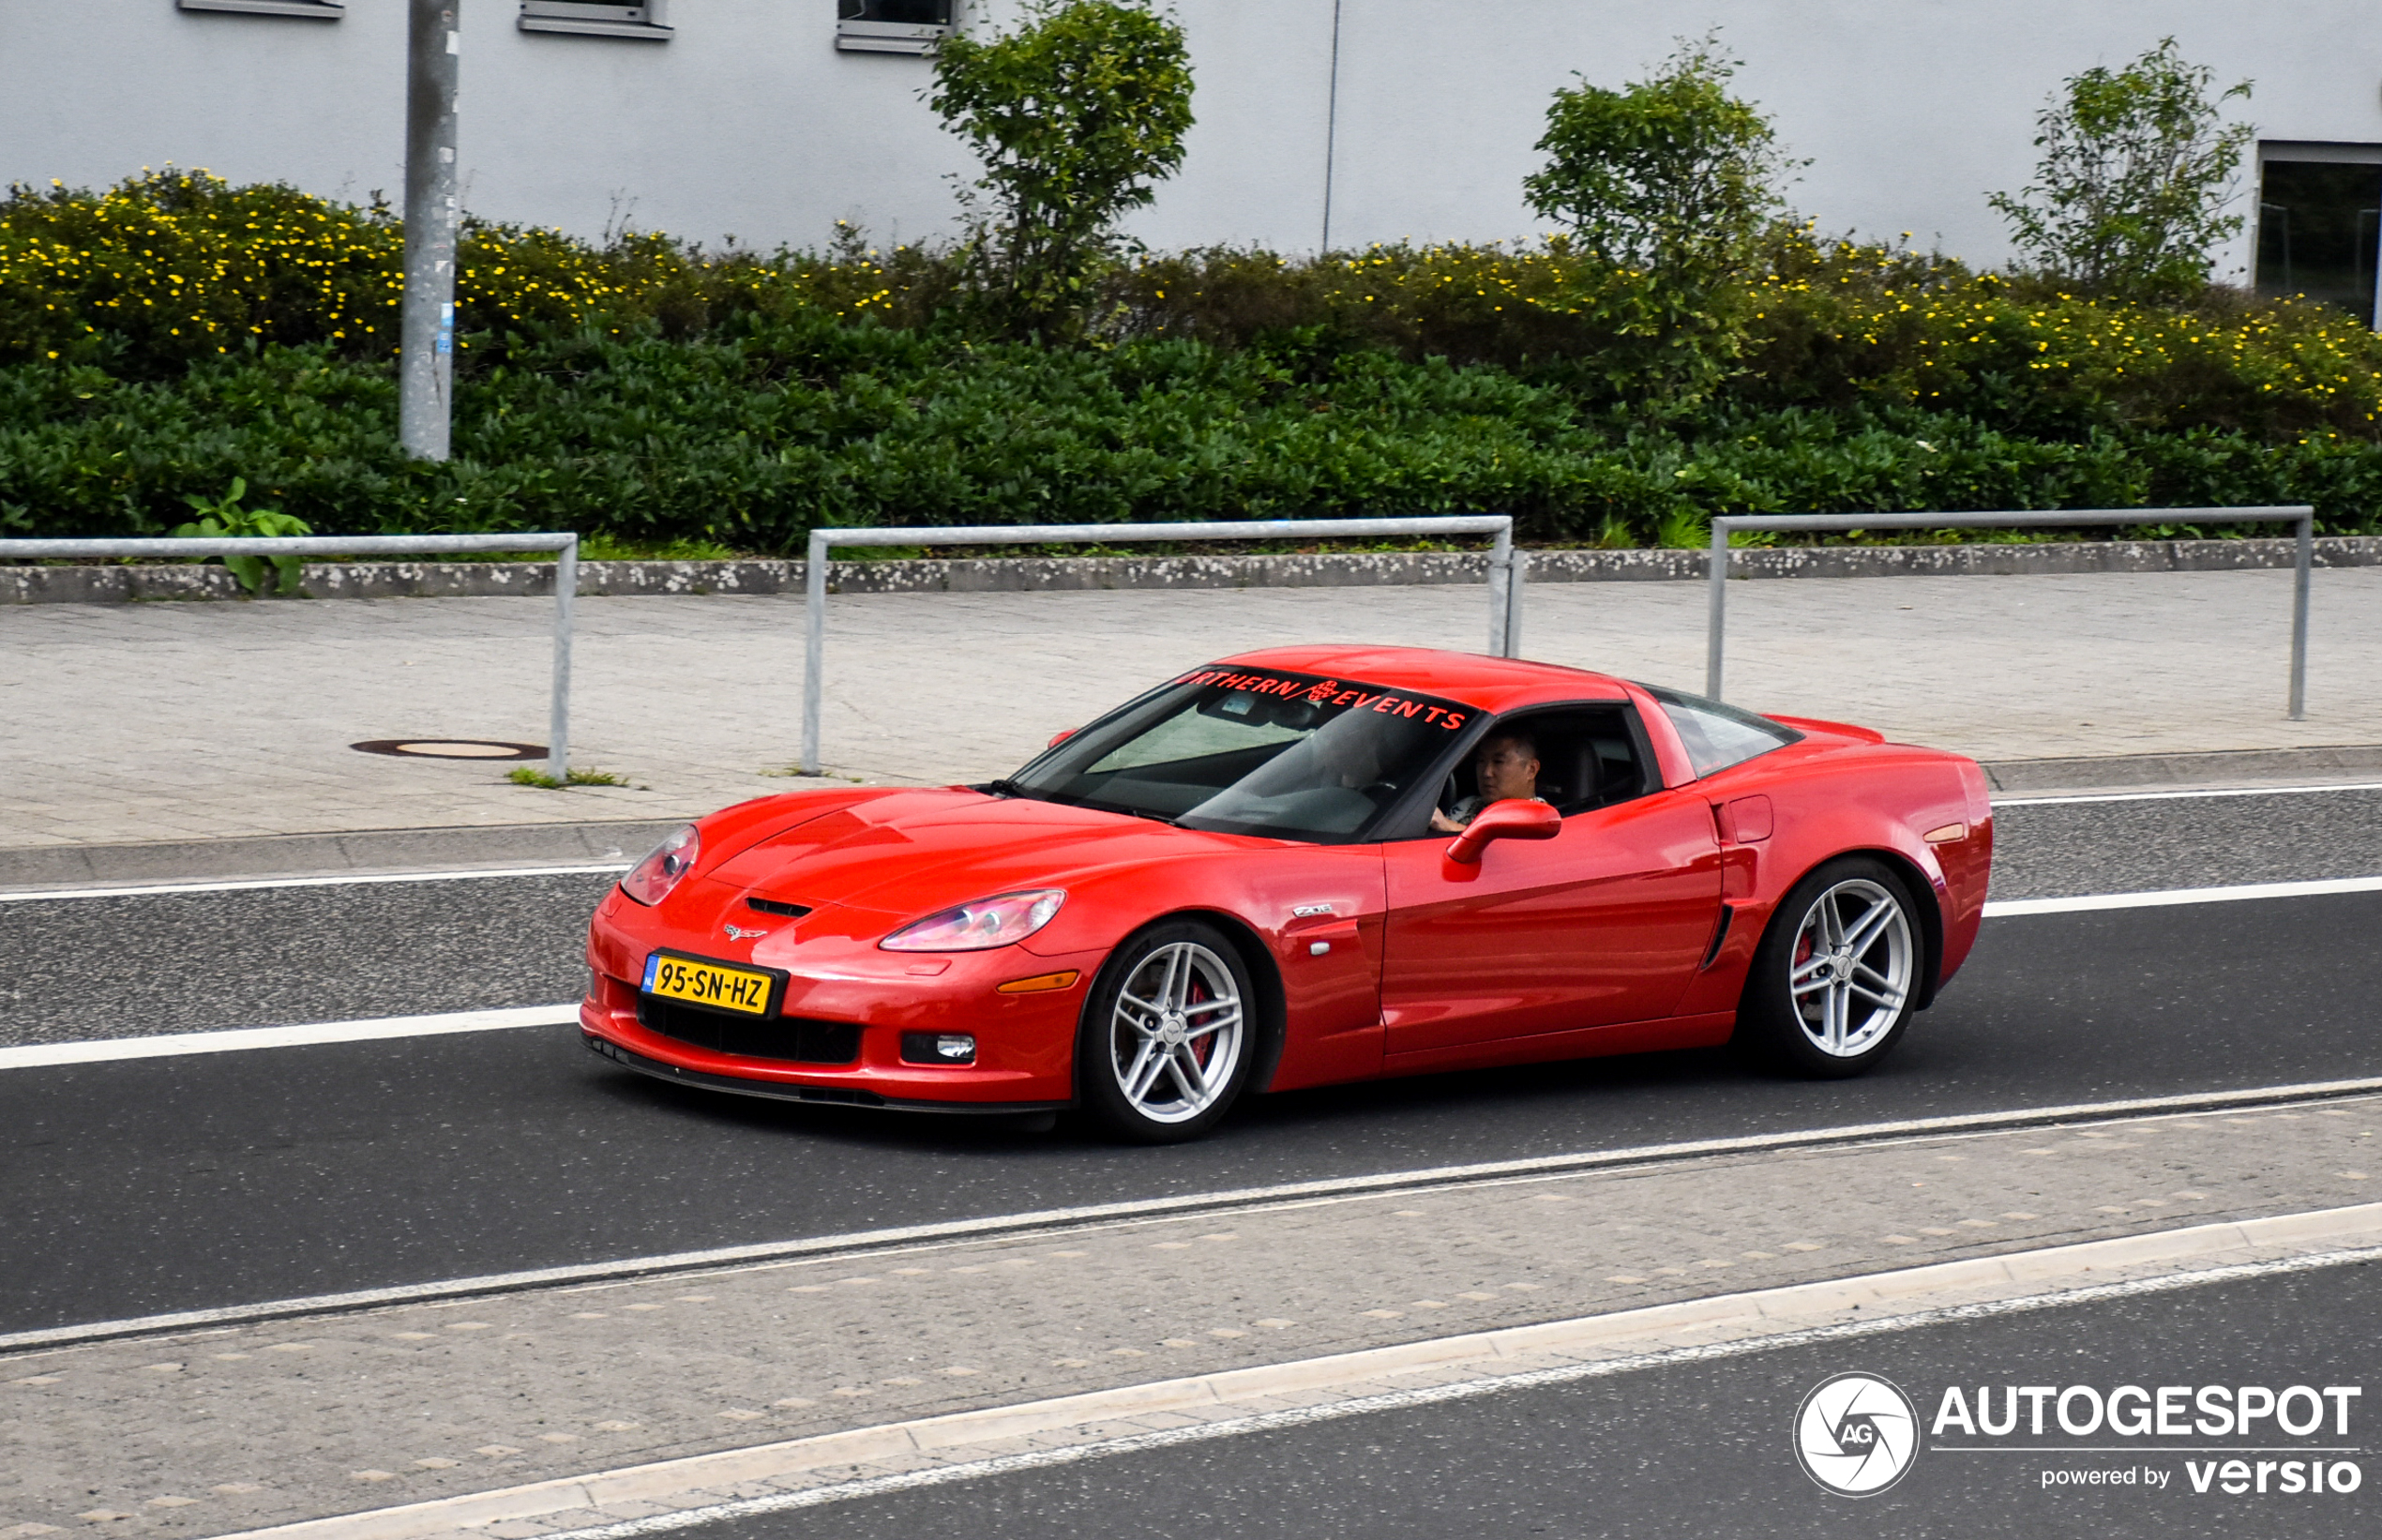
[1074, 116]
[1669, 181]
[2137, 167]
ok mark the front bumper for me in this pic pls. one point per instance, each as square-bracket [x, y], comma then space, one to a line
[779, 1089]
[846, 993]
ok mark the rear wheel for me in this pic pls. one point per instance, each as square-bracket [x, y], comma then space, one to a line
[1164, 1044]
[1833, 981]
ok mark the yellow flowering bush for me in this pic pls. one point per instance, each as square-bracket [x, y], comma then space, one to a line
[1839, 322]
[173, 265]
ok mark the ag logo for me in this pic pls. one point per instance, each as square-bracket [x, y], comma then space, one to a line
[1856, 1434]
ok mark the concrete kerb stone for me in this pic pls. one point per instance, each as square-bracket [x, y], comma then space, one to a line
[680, 1483]
[458, 849]
[1025, 574]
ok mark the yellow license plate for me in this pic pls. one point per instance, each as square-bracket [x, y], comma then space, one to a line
[722, 987]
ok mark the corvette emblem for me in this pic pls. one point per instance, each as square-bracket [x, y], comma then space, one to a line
[741, 933]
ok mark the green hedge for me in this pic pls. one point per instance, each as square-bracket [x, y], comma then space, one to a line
[174, 333]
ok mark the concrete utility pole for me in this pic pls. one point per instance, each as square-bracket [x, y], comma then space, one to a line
[426, 351]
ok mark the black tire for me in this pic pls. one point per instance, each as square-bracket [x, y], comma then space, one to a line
[1879, 979]
[1189, 1088]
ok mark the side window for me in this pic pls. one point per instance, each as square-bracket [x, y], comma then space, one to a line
[1715, 735]
[1587, 757]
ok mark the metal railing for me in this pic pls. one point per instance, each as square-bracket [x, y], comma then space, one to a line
[1505, 568]
[2299, 514]
[565, 549]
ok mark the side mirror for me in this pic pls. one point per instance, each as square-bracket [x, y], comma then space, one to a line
[1058, 737]
[1515, 817]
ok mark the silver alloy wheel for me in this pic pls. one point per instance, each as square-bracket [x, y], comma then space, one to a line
[1175, 1036]
[1849, 975]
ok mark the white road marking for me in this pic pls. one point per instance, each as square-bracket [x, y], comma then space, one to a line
[38, 1055]
[1240, 1199]
[2010, 908]
[168, 1045]
[35, 896]
[2181, 795]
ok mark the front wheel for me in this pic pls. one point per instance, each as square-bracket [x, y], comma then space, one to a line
[1164, 1048]
[1832, 982]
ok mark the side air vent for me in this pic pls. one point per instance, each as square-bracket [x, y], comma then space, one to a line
[773, 906]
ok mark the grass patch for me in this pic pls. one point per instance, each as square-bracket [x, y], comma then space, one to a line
[527, 777]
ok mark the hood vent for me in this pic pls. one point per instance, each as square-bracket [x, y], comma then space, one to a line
[773, 906]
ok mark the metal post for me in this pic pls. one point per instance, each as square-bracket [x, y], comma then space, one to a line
[1519, 565]
[814, 643]
[2300, 618]
[1500, 577]
[558, 726]
[426, 353]
[1716, 621]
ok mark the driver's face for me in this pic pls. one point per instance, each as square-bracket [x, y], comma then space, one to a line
[1505, 769]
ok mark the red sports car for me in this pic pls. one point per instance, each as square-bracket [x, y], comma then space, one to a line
[1304, 865]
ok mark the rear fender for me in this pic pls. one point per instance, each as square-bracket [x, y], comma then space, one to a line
[1875, 803]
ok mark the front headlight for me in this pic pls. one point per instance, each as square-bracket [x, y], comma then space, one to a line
[980, 926]
[650, 881]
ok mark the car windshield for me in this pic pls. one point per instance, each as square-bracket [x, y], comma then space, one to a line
[1247, 750]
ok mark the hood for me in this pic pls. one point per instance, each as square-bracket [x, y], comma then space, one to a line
[914, 852]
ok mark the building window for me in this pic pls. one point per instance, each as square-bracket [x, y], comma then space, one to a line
[320, 10]
[644, 22]
[2320, 223]
[893, 26]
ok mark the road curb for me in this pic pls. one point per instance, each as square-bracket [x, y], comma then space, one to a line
[460, 848]
[1877, 1296]
[2221, 767]
[114, 585]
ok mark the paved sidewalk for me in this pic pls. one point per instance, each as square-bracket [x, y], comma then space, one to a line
[251, 1426]
[147, 722]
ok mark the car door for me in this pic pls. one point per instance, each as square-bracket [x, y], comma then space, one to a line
[1605, 923]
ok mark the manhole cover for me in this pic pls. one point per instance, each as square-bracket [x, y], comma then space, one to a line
[450, 748]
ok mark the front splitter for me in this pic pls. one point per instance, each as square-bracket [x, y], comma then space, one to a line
[815, 1096]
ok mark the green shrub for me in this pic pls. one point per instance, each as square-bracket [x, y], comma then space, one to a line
[1667, 186]
[2137, 170]
[665, 398]
[1074, 115]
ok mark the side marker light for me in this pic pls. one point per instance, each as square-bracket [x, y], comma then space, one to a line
[1040, 982]
[1944, 836]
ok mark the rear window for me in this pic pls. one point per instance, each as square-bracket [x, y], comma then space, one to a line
[1715, 735]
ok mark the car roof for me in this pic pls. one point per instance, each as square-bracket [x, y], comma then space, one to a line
[1493, 684]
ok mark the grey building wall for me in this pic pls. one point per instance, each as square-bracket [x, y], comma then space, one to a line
[750, 122]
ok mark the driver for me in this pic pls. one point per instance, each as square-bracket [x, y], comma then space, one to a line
[1504, 767]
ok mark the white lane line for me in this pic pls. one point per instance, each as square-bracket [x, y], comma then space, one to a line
[43, 1055]
[169, 1044]
[1091, 1215]
[36, 896]
[2182, 795]
[2008, 908]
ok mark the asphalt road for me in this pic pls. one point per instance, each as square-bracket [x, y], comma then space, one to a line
[1706, 1449]
[135, 1187]
[129, 967]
